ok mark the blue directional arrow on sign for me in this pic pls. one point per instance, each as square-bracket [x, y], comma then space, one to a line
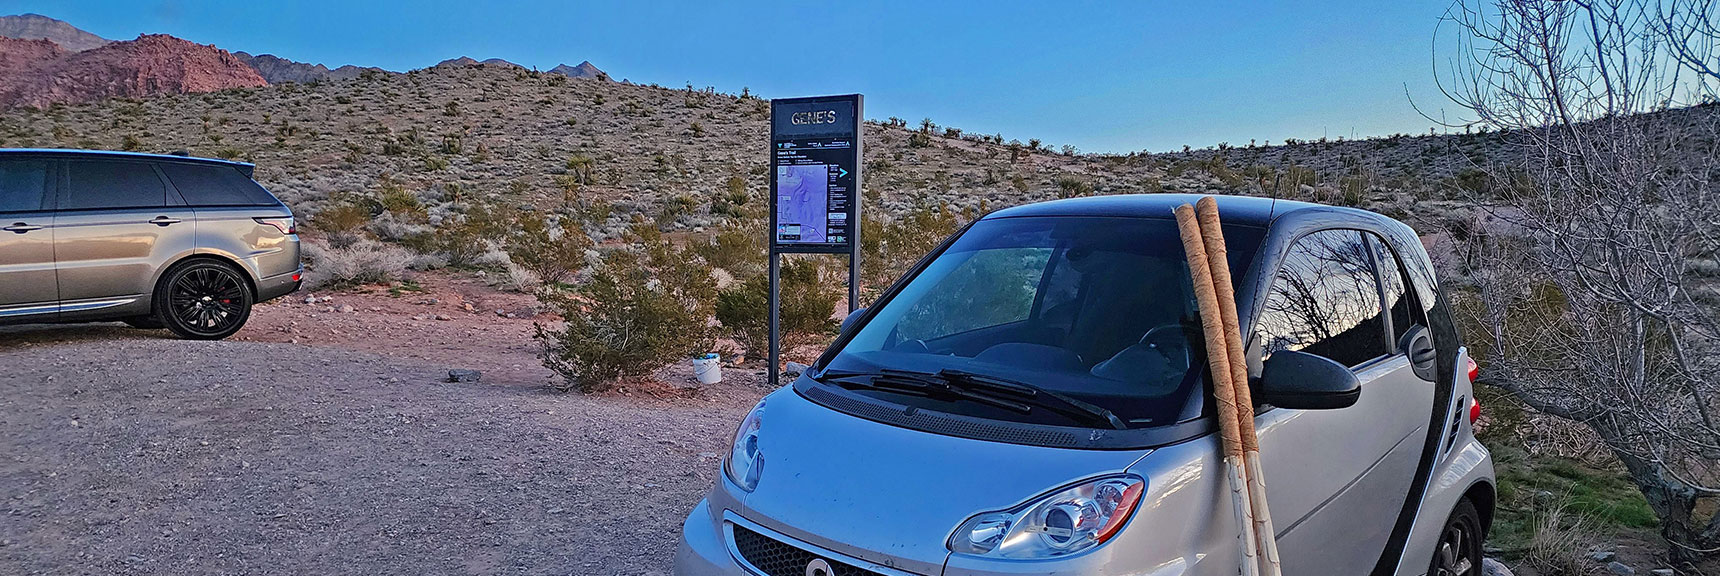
[840, 172]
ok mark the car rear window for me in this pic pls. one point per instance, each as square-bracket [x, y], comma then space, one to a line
[107, 184]
[22, 183]
[213, 185]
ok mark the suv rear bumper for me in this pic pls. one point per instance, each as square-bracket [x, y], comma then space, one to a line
[280, 285]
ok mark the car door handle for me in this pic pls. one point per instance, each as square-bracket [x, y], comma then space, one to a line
[164, 221]
[20, 227]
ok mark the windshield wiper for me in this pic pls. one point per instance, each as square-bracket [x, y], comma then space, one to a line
[919, 384]
[989, 390]
[1051, 399]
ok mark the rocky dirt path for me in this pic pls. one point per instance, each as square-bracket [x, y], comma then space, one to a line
[331, 446]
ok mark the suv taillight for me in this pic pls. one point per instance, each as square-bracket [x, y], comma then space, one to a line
[1474, 370]
[1474, 410]
[285, 225]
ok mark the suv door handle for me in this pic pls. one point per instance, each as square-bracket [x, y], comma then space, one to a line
[20, 227]
[164, 221]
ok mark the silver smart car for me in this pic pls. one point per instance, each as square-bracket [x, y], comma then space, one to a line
[1031, 399]
[189, 244]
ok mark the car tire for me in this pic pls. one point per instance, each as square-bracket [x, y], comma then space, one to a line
[1458, 552]
[203, 300]
[144, 322]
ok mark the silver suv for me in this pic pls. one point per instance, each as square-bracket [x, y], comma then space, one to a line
[1032, 399]
[189, 244]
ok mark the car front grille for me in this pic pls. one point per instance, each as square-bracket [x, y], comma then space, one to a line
[777, 558]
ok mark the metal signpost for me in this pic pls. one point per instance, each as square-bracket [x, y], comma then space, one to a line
[815, 146]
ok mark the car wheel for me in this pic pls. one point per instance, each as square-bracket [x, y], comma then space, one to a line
[144, 322]
[1459, 549]
[203, 300]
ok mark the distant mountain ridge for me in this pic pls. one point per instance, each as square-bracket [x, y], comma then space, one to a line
[276, 69]
[39, 27]
[43, 62]
[40, 73]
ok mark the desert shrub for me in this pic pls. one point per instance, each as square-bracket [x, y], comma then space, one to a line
[1071, 186]
[889, 248]
[737, 247]
[343, 222]
[462, 239]
[809, 294]
[919, 140]
[644, 306]
[552, 251]
[1353, 188]
[397, 200]
[361, 262]
[675, 207]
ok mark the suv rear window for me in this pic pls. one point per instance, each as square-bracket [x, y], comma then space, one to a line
[22, 183]
[106, 184]
[213, 185]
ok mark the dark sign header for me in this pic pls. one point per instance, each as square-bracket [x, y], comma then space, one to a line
[802, 119]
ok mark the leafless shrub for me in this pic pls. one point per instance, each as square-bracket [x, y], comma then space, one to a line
[361, 262]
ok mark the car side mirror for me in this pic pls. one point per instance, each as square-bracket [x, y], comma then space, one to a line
[852, 319]
[1417, 343]
[1303, 381]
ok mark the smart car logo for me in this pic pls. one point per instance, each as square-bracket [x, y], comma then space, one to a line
[818, 567]
[814, 117]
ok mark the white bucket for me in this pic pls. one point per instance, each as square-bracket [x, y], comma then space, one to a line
[708, 368]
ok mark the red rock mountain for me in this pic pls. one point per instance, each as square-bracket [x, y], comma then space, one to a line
[39, 73]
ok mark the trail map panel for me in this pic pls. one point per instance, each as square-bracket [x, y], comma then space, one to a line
[815, 157]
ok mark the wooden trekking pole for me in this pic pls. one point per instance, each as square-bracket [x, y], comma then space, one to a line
[1218, 259]
[1224, 394]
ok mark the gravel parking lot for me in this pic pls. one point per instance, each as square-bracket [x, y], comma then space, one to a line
[126, 452]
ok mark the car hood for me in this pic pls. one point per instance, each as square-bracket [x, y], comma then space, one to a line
[892, 495]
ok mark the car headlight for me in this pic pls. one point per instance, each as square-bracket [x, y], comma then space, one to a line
[1065, 522]
[745, 461]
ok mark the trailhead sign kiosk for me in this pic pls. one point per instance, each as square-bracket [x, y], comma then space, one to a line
[815, 146]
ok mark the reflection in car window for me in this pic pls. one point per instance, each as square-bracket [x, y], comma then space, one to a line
[104, 184]
[991, 288]
[1404, 315]
[1324, 301]
[21, 185]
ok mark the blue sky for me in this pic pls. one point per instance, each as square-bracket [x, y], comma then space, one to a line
[1105, 77]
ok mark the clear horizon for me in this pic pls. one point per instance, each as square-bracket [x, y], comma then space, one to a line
[1105, 78]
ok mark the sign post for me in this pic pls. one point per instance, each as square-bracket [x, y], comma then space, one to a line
[815, 146]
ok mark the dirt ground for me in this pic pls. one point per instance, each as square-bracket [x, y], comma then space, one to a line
[318, 442]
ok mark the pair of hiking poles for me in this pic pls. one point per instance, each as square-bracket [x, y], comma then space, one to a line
[1215, 295]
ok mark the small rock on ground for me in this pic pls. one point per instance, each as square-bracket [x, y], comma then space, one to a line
[1491, 567]
[458, 375]
[1602, 556]
[1620, 569]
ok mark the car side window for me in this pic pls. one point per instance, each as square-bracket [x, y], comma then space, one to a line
[1399, 302]
[1325, 301]
[210, 185]
[23, 185]
[109, 184]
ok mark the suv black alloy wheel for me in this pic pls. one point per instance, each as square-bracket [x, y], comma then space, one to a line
[203, 300]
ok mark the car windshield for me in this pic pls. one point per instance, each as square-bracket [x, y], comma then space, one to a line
[1096, 309]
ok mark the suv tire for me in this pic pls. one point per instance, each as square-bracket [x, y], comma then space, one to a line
[203, 300]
